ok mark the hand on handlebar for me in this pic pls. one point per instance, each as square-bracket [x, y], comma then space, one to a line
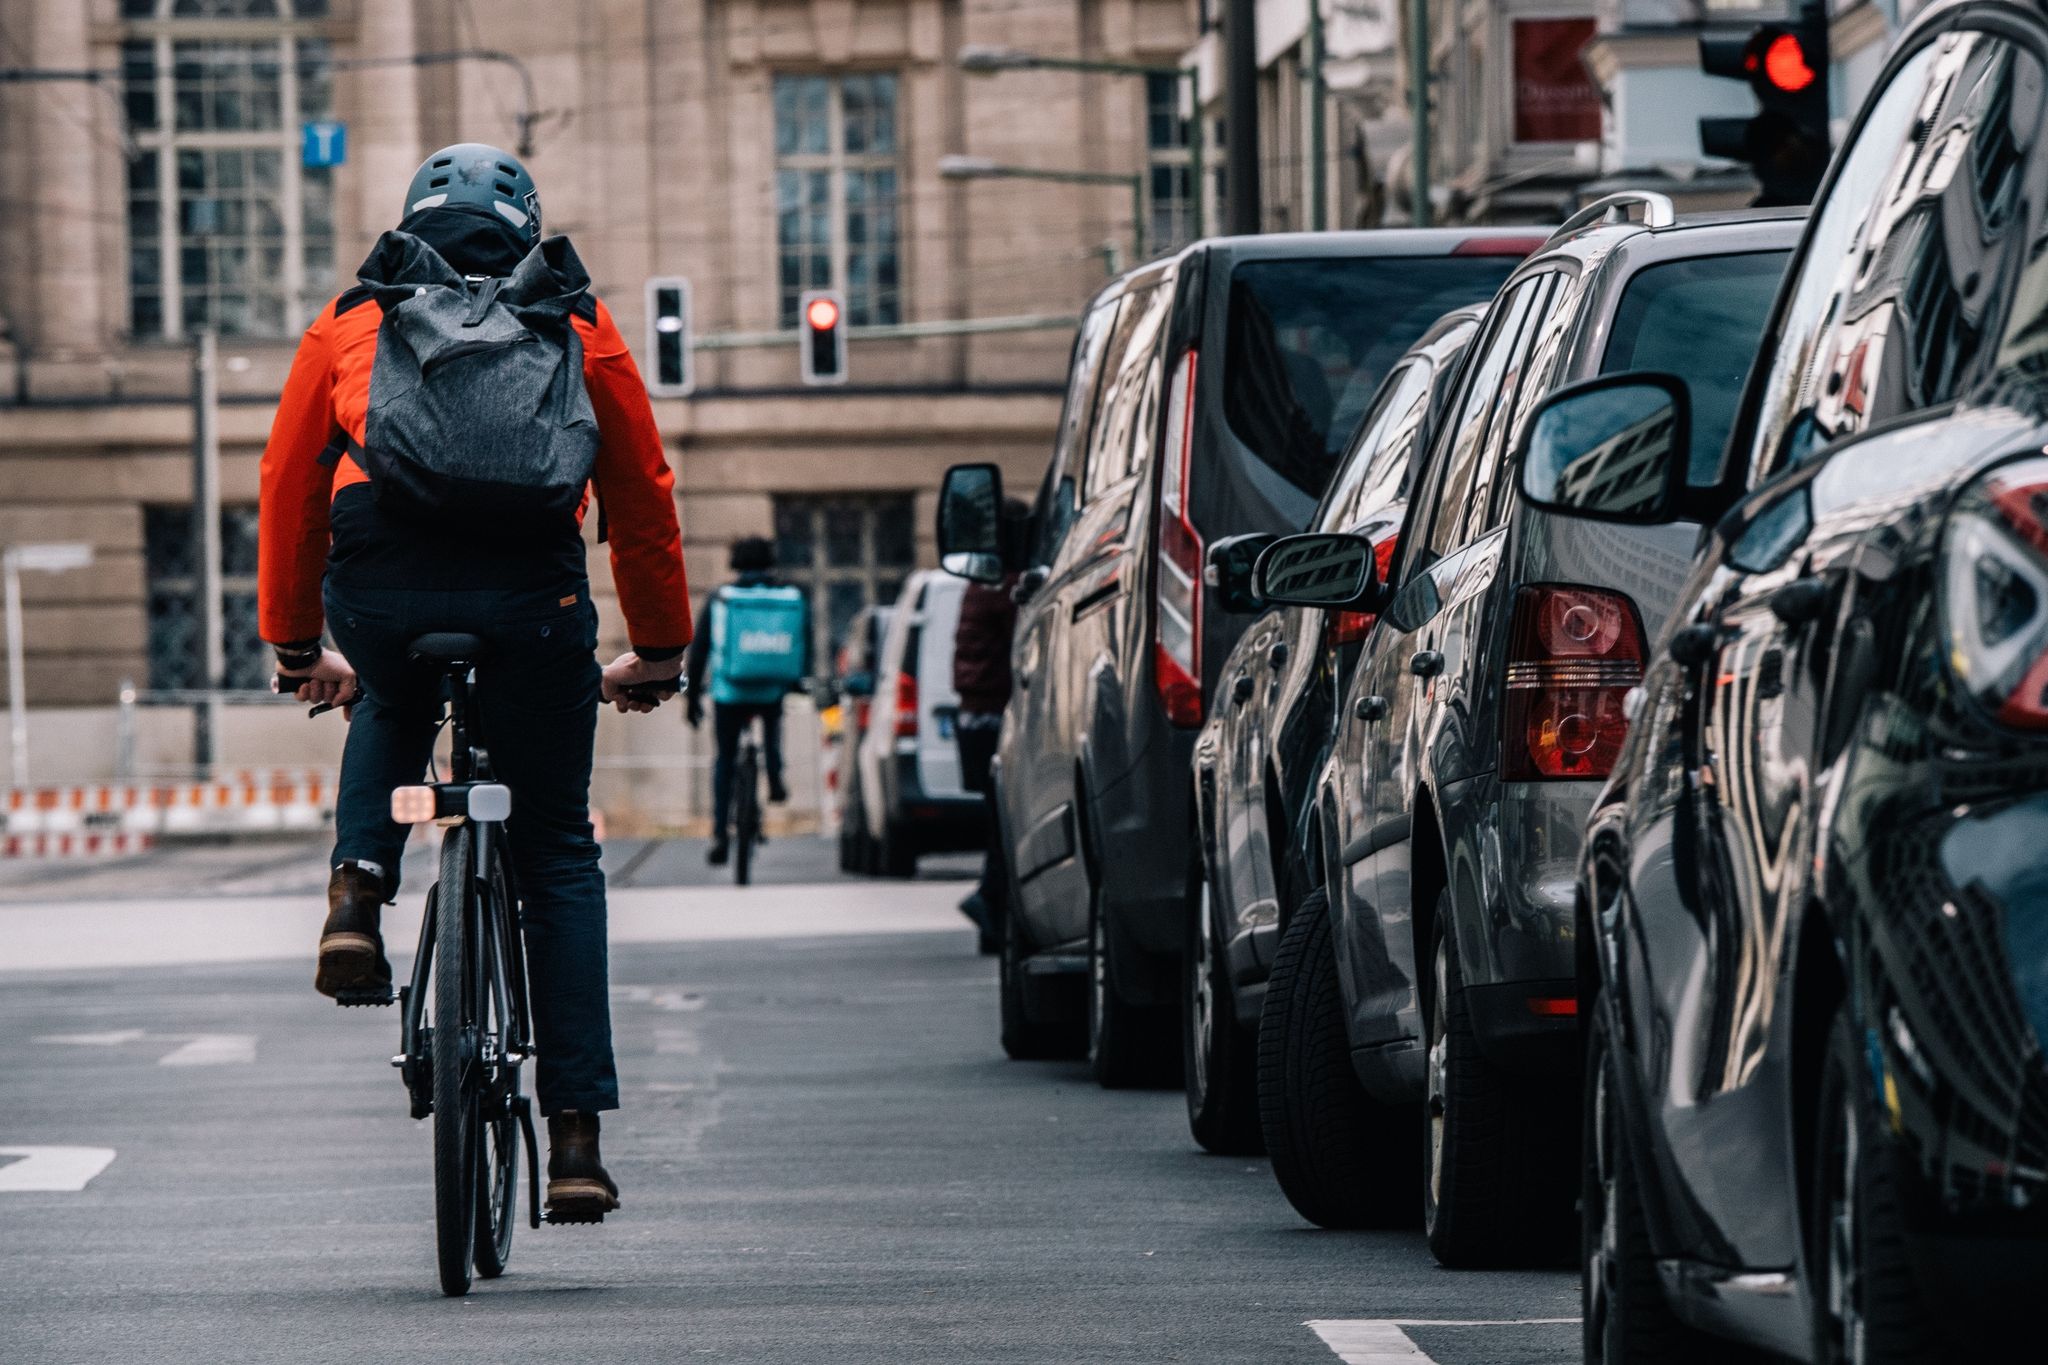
[635, 684]
[330, 682]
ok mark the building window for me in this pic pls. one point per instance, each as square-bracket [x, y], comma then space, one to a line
[845, 553]
[1166, 165]
[226, 229]
[836, 204]
[169, 544]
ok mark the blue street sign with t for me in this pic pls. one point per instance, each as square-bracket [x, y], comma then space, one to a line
[324, 143]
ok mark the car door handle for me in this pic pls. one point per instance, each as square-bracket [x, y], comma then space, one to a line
[1695, 645]
[1373, 707]
[1277, 655]
[1426, 663]
[1770, 674]
[1241, 690]
[1800, 600]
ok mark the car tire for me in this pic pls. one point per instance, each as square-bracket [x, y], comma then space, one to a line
[1130, 1046]
[1497, 1181]
[1025, 1040]
[895, 857]
[1343, 1159]
[1219, 1057]
[1865, 1285]
[1627, 1320]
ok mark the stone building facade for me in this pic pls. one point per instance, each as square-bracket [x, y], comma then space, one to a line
[173, 165]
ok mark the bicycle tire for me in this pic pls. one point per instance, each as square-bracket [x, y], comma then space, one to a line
[498, 1141]
[455, 1200]
[747, 817]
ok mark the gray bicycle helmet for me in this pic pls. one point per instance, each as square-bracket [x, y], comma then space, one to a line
[475, 175]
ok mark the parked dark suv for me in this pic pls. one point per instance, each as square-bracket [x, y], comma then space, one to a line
[1472, 740]
[1209, 394]
[1269, 732]
[1813, 902]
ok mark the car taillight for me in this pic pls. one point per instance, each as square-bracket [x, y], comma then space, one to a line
[906, 706]
[1995, 592]
[1573, 654]
[1177, 586]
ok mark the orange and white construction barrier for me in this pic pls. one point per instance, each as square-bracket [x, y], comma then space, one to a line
[109, 817]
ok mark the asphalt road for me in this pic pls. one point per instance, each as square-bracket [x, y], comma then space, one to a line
[823, 1157]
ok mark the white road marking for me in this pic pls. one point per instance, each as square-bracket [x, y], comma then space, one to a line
[1380, 1341]
[195, 1049]
[66, 935]
[214, 1049]
[52, 1168]
[111, 1038]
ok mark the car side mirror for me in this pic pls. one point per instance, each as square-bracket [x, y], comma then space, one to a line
[970, 529]
[1231, 561]
[1610, 449]
[858, 685]
[1318, 569]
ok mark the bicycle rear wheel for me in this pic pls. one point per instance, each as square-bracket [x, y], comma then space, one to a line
[455, 1072]
[497, 1141]
[747, 815]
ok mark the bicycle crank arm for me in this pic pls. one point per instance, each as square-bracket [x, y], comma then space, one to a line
[532, 1162]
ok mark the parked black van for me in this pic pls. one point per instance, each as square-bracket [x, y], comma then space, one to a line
[1209, 394]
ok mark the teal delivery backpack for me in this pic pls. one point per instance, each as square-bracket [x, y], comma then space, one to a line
[757, 644]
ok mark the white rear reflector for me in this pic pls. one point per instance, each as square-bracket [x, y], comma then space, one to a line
[490, 801]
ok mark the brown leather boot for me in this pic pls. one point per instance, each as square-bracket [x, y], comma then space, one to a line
[579, 1190]
[352, 967]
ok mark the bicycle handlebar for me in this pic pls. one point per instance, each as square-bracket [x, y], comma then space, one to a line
[653, 692]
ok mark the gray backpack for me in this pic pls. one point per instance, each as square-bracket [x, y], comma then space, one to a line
[479, 422]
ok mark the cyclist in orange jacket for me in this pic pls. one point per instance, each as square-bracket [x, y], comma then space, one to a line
[335, 554]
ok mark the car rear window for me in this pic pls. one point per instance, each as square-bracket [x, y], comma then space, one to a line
[1701, 320]
[1310, 340]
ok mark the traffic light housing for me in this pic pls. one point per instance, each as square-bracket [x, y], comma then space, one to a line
[1786, 142]
[670, 371]
[821, 330]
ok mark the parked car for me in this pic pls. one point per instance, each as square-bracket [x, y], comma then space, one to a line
[910, 800]
[1421, 1013]
[1210, 394]
[852, 692]
[1269, 734]
[1813, 963]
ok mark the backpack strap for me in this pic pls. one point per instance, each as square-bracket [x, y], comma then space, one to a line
[338, 443]
[480, 301]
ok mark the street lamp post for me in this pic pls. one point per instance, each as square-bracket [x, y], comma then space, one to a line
[987, 59]
[53, 557]
[954, 167]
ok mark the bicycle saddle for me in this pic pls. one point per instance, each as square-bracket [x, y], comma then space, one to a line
[449, 648]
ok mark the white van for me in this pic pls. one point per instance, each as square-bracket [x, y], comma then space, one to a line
[911, 801]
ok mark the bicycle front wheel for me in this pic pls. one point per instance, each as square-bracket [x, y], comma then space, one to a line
[455, 1071]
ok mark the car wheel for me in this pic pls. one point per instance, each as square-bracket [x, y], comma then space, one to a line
[895, 857]
[1343, 1159]
[1025, 1040]
[1130, 1046]
[1868, 1305]
[1497, 1184]
[1627, 1320]
[1219, 1058]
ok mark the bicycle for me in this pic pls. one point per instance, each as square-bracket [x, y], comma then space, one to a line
[465, 1023]
[746, 809]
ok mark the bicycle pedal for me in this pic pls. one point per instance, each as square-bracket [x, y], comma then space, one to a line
[567, 1217]
[358, 999]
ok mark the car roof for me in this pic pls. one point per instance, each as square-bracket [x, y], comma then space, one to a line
[1364, 244]
[1692, 234]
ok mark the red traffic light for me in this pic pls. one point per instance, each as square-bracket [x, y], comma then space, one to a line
[1784, 64]
[822, 314]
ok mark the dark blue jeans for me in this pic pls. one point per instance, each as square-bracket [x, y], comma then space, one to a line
[538, 694]
[729, 720]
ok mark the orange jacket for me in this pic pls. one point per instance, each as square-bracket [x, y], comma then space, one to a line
[329, 387]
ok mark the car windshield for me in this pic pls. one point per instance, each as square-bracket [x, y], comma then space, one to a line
[1701, 320]
[1310, 341]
